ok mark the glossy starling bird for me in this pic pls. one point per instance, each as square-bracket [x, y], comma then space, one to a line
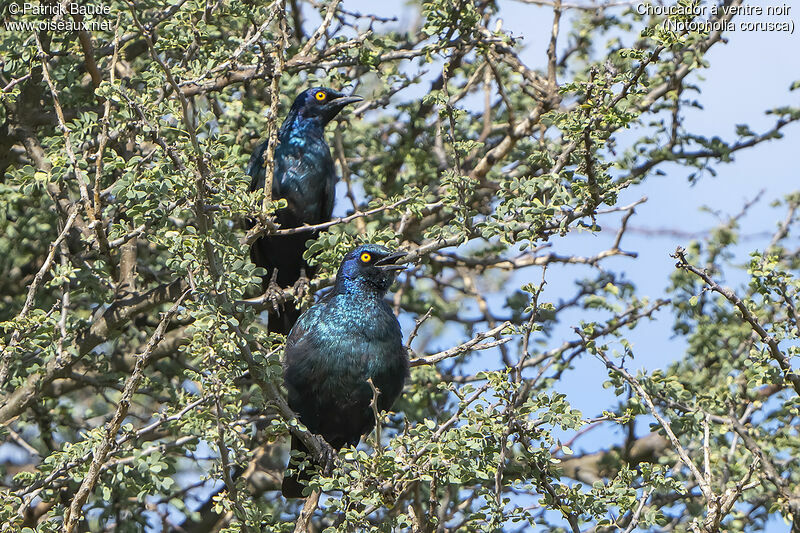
[305, 177]
[349, 336]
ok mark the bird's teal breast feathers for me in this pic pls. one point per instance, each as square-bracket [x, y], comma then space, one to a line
[348, 339]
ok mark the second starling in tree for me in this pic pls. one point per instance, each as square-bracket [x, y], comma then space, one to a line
[350, 336]
[304, 176]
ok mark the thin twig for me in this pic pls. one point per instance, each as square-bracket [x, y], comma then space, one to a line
[469, 346]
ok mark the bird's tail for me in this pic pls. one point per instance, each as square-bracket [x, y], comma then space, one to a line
[293, 484]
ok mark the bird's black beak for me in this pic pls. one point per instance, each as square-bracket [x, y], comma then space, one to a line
[343, 101]
[389, 262]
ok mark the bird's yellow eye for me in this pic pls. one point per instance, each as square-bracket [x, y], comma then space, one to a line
[320, 96]
[366, 257]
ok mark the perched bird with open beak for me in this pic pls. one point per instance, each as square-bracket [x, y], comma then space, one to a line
[350, 336]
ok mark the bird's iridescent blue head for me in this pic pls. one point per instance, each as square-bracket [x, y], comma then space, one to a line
[320, 103]
[369, 266]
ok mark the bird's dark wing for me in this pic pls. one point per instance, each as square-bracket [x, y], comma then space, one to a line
[257, 172]
[300, 338]
[255, 167]
[306, 179]
[302, 369]
[303, 340]
[329, 195]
